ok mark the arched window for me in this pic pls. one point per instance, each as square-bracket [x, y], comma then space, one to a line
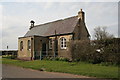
[29, 45]
[63, 43]
[21, 45]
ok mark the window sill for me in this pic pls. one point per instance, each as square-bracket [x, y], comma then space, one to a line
[50, 49]
[21, 50]
[63, 48]
[29, 49]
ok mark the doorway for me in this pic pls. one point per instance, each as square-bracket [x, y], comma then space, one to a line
[56, 47]
[44, 49]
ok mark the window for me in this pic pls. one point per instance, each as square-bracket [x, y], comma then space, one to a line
[63, 43]
[50, 44]
[21, 45]
[29, 45]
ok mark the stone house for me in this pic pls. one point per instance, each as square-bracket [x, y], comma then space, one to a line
[53, 38]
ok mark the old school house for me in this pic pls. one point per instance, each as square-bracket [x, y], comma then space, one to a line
[53, 38]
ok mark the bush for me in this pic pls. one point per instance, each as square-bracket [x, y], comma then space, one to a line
[56, 58]
[81, 50]
[86, 51]
[111, 49]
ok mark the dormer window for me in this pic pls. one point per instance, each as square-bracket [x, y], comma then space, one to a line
[50, 43]
[63, 43]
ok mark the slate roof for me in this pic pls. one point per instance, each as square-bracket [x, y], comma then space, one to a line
[62, 26]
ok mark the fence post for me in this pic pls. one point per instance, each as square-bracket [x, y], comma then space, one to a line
[54, 54]
[40, 56]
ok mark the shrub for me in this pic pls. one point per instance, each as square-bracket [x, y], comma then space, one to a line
[81, 50]
[56, 58]
[86, 51]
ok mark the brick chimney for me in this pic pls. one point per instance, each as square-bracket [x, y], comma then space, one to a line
[81, 15]
[32, 24]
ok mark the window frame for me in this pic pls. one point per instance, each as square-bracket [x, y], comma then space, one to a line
[63, 43]
[29, 44]
[50, 43]
[21, 45]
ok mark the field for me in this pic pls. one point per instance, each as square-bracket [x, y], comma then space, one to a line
[79, 68]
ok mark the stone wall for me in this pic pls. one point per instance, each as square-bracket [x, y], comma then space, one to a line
[61, 52]
[80, 32]
[24, 53]
[36, 47]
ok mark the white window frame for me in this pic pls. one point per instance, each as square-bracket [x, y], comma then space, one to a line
[29, 45]
[63, 43]
[50, 43]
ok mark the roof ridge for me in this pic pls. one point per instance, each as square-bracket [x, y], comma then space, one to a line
[69, 17]
[54, 21]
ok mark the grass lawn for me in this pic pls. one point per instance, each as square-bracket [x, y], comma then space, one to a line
[79, 68]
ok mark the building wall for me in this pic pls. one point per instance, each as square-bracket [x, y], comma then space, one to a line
[61, 52]
[84, 35]
[25, 53]
[36, 47]
[64, 52]
[80, 32]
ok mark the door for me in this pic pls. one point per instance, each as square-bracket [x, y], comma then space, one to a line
[44, 49]
[56, 47]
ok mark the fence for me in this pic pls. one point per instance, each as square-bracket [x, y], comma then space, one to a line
[9, 53]
[42, 54]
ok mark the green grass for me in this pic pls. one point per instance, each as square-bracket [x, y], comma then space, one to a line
[79, 68]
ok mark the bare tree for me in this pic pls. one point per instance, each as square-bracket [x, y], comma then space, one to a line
[101, 33]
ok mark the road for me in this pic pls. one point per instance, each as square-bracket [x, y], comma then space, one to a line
[9, 71]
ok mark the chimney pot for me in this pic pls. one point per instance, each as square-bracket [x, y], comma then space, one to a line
[81, 10]
[32, 21]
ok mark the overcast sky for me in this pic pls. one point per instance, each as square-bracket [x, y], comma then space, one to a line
[16, 17]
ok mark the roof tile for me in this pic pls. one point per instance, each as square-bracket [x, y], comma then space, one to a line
[61, 26]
